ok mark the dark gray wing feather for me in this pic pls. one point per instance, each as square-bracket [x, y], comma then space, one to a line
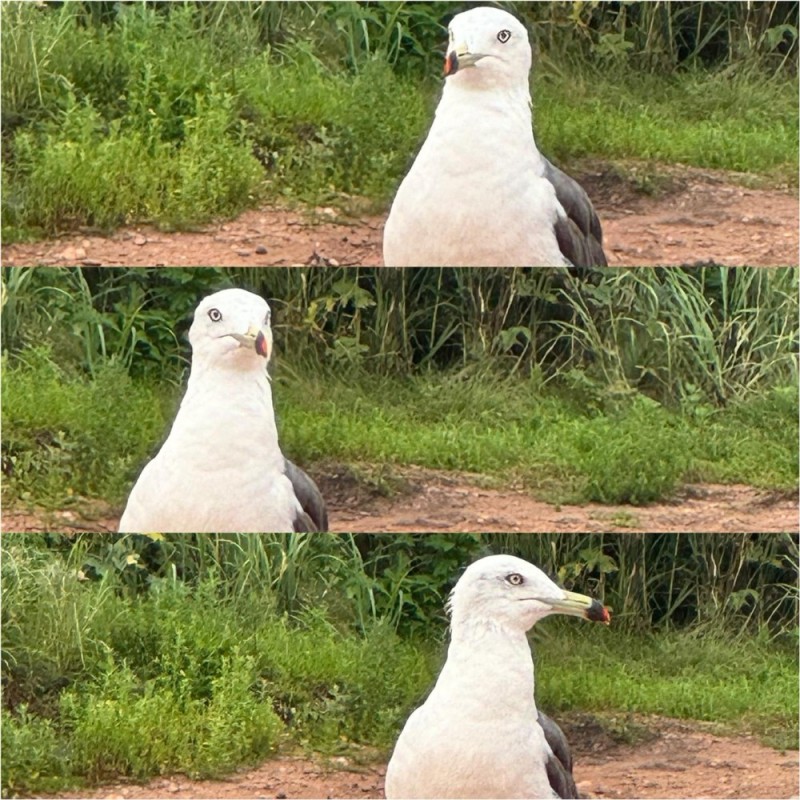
[315, 513]
[579, 234]
[559, 766]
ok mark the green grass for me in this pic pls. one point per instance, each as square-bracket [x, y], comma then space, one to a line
[636, 452]
[226, 122]
[181, 679]
[699, 119]
[65, 436]
[747, 685]
[195, 675]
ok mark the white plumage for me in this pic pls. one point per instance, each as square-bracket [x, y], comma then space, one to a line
[479, 192]
[221, 468]
[478, 735]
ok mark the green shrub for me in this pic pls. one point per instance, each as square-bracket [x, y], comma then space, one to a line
[178, 114]
[125, 726]
[65, 436]
[635, 457]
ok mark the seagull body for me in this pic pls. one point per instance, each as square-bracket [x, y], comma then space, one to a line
[221, 468]
[479, 192]
[478, 734]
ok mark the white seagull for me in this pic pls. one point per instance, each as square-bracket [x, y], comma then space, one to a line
[221, 468]
[480, 193]
[479, 735]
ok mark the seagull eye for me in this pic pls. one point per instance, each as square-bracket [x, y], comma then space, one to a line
[515, 579]
[214, 314]
[503, 36]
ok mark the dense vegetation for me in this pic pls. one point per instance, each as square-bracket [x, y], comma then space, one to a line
[176, 113]
[140, 655]
[616, 386]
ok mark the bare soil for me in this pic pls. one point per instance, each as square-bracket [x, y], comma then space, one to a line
[682, 216]
[672, 759]
[431, 500]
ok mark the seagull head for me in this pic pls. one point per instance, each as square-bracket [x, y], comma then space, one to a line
[489, 46]
[512, 593]
[232, 328]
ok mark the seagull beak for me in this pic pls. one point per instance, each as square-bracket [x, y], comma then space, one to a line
[255, 338]
[460, 57]
[579, 605]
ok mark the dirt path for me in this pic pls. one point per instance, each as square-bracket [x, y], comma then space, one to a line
[677, 760]
[440, 503]
[696, 216]
[431, 500]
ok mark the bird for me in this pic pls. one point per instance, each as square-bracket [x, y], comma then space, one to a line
[221, 468]
[479, 192]
[479, 733]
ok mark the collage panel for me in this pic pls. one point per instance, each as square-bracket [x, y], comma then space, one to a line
[400, 134]
[349, 399]
[360, 665]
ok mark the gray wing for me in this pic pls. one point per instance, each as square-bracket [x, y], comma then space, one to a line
[579, 234]
[315, 513]
[559, 767]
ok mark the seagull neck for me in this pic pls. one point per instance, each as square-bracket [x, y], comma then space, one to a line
[226, 377]
[493, 657]
[227, 392]
[477, 100]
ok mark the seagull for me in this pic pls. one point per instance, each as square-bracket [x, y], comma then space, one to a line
[480, 193]
[221, 468]
[479, 734]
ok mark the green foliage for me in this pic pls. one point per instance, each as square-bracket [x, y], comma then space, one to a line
[198, 675]
[616, 387]
[779, 406]
[665, 37]
[683, 119]
[195, 670]
[80, 171]
[112, 729]
[697, 336]
[66, 435]
[32, 754]
[746, 685]
[636, 456]
[742, 584]
[314, 138]
[405, 578]
[556, 446]
[178, 114]
[134, 318]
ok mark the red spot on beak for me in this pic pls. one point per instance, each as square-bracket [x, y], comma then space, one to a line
[261, 344]
[599, 613]
[450, 63]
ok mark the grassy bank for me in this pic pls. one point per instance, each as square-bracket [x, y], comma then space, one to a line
[635, 451]
[617, 387]
[66, 435]
[138, 656]
[320, 103]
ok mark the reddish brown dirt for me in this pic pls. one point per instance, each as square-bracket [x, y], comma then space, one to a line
[438, 501]
[696, 216]
[677, 760]
[454, 502]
